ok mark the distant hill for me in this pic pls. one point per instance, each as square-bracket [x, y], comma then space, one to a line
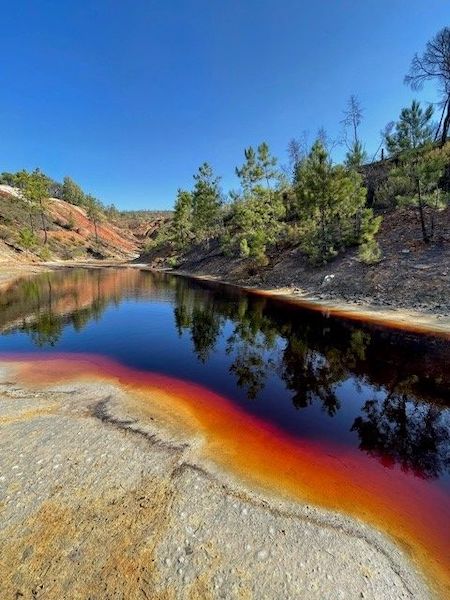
[143, 224]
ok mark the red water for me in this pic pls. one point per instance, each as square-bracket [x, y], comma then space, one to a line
[410, 509]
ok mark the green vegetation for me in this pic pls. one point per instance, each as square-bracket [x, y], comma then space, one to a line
[27, 220]
[330, 206]
[94, 213]
[72, 193]
[27, 239]
[182, 219]
[318, 206]
[206, 203]
[413, 129]
[255, 213]
[35, 191]
[415, 182]
[322, 207]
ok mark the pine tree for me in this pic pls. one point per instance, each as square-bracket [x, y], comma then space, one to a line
[256, 222]
[72, 193]
[267, 164]
[259, 166]
[206, 203]
[256, 214]
[35, 188]
[330, 204]
[413, 129]
[355, 156]
[182, 219]
[251, 172]
[93, 212]
[416, 183]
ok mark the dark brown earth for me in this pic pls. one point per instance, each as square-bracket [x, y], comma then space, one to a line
[411, 275]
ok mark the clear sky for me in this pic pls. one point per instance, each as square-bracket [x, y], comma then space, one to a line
[129, 97]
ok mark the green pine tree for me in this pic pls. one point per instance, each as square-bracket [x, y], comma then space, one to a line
[355, 156]
[72, 193]
[206, 203]
[330, 206]
[413, 129]
[415, 181]
[94, 213]
[35, 190]
[256, 215]
[182, 219]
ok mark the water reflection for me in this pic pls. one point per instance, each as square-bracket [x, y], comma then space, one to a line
[389, 391]
[405, 431]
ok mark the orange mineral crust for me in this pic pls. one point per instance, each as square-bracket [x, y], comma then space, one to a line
[414, 511]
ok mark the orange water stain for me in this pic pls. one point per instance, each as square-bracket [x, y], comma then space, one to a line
[385, 318]
[413, 511]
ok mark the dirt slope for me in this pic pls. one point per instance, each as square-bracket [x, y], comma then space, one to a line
[411, 274]
[71, 235]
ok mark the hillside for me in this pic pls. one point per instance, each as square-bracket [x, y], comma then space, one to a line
[71, 234]
[410, 274]
[143, 224]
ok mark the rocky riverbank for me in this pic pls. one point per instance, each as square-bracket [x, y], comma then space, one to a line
[412, 278]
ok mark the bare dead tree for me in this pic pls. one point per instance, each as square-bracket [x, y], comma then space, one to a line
[353, 115]
[327, 142]
[294, 152]
[297, 150]
[434, 65]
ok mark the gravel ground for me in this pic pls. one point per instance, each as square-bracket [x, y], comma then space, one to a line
[98, 502]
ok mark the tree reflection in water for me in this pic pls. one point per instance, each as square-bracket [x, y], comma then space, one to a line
[313, 356]
[402, 430]
[400, 381]
[45, 305]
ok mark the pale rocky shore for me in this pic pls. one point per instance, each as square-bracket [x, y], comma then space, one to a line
[100, 499]
[402, 318]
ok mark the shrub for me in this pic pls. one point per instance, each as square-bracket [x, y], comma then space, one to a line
[27, 238]
[173, 262]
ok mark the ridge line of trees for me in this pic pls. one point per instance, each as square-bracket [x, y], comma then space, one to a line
[317, 205]
[320, 206]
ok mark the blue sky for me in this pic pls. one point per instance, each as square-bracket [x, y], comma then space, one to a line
[130, 97]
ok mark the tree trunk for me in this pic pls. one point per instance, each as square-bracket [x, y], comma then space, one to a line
[439, 127]
[323, 228]
[446, 124]
[44, 225]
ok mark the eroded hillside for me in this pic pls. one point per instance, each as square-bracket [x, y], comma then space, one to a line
[71, 234]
